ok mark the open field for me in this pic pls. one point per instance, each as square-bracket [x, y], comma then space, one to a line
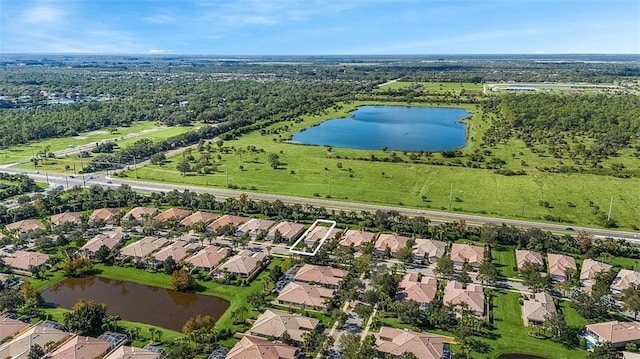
[435, 86]
[309, 171]
[504, 258]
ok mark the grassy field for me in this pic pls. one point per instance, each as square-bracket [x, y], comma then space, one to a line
[505, 260]
[344, 174]
[435, 86]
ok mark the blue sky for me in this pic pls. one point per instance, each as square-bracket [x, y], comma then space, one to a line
[312, 27]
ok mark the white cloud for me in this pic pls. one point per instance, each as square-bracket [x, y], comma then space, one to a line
[160, 19]
[42, 12]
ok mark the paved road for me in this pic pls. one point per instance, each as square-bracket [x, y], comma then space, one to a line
[222, 193]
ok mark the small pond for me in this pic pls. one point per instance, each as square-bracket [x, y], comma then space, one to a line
[136, 302]
[519, 356]
[400, 128]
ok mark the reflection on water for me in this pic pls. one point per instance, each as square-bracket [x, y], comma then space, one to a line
[135, 302]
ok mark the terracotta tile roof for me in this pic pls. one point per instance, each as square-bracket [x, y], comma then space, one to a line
[393, 241]
[616, 332]
[127, 352]
[473, 295]
[104, 214]
[256, 348]
[139, 213]
[24, 259]
[304, 294]
[173, 213]
[467, 253]
[429, 248]
[538, 307]
[253, 225]
[523, 256]
[273, 323]
[103, 239]
[18, 348]
[226, 219]
[559, 263]
[143, 247]
[25, 225]
[398, 341]
[209, 257]
[66, 217]
[288, 230]
[318, 232]
[243, 263]
[423, 291]
[323, 275]
[199, 217]
[81, 347]
[10, 326]
[625, 279]
[178, 250]
[356, 238]
[590, 268]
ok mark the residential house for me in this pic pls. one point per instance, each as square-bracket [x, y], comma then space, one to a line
[140, 213]
[630, 355]
[615, 332]
[10, 326]
[422, 291]
[178, 250]
[250, 348]
[19, 346]
[305, 296]
[288, 231]
[325, 276]
[80, 347]
[318, 232]
[559, 264]
[589, 270]
[65, 218]
[25, 260]
[254, 226]
[245, 264]
[106, 215]
[198, 217]
[274, 323]
[429, 250]
[226, 220]
[626, 278]
[127, 352]
[525, 256]
[173, 214]
[392, 241]
[144, 247]
[25, 226]
[103, 239]
[208, 258]
[395, 342]
[467, 253]
[356, 238]
[455, 294]
[536, 307]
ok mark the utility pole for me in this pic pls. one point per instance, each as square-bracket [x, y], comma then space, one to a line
[33, 159]
[610, 208]
[67, 179]
[450, 195]
[47, 174]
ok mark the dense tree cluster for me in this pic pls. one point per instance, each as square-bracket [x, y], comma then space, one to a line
[16, 184]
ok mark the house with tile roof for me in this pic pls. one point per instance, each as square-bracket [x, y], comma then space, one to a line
[257, 348]
[614, 332]
[172, 214]
[395, 342]
[226, 220]
[127, 352]
[144, 247]
[526, 256]
[140, 213]
[356, 238]
[10, 326]
[559, 264]
[274, 323]
[422, 291]
[456, 294]
[65, 218]
[392, 241]
[80, 347]
[208, 258]
[318, 232]
[305, 296]
[589, 270]
[109, 240]
[626, 278]
[20, 345]
[25, 226]
[289, 231]
[106, 215]
[245, 264]
[253, 226]
[198, 217]
[178, 250]
[467, 253]
[429, 250]
[324, 275]
[536, 307]
[24, 260]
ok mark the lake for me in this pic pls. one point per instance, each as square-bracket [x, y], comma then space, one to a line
[400, 128]
[136, 302]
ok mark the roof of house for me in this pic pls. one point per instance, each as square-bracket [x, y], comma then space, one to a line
[19, 347]
[625, 279]
[209, 257]
[538, 307]
[10, 326]
[398, 341]
[24, 259]
[630, 355]
[25, 225]
[127, 352]
[256, 348]
[318, 232]
[80, 347]
[226, 219]
[559, 263]
[467, 253]
[104, 214]
[198, 217]
[273, 323]
[356, 238]
[305, 294]
[429, 248]
[616, 332]
[172, 213]
[523, 256]
[141, 212]
[454, 293]
[393, 241]
[143, 247]
[287, 229]
[178, 250]
[320, 274]
[590, 268]
[66, 217]
[255, 224]
[103, 239]
[243, 263]
[423, 291]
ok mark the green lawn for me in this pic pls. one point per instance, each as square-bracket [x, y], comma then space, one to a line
[504, 258]
[435, 86]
